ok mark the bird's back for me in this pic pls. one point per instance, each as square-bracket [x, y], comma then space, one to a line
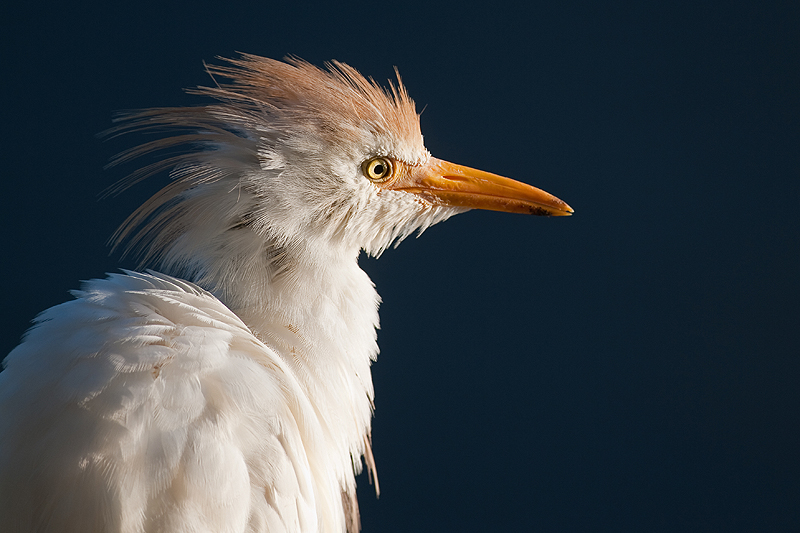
[146, 405]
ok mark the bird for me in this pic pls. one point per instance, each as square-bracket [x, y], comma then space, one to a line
[224, 386]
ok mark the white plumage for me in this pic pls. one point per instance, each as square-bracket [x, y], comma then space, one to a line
[240, 401]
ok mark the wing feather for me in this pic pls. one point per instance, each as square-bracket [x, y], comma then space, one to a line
[146, 405]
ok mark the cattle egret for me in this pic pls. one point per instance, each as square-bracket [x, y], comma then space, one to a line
[231, 391]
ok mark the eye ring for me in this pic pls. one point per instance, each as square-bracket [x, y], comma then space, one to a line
[377, 169]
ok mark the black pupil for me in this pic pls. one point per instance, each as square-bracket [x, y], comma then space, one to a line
[378, 169]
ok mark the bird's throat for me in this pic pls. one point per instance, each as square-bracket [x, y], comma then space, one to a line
[320, 314]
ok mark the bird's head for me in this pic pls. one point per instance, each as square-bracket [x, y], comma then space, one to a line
[301, 156]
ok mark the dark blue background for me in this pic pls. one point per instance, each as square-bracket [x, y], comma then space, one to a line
[634, 367]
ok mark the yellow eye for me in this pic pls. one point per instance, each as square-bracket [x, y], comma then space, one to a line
[377, 169]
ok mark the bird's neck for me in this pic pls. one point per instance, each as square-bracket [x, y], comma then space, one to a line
[318, 310]
[325, 306]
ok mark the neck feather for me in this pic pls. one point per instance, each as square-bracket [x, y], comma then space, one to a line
[317, 309]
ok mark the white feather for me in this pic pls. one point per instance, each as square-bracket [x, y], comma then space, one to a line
[148, 404]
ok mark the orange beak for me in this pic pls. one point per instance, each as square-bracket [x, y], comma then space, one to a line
[444, 183]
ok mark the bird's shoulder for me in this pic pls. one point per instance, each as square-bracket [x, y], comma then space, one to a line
[150, 399]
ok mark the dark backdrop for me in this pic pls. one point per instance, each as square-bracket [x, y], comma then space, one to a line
[634, 367]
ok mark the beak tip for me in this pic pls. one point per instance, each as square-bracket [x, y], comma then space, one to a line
[559, 210]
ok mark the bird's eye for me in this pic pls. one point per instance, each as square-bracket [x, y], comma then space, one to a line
[377, 169]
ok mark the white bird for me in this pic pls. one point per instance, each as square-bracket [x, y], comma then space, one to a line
[241, 399]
